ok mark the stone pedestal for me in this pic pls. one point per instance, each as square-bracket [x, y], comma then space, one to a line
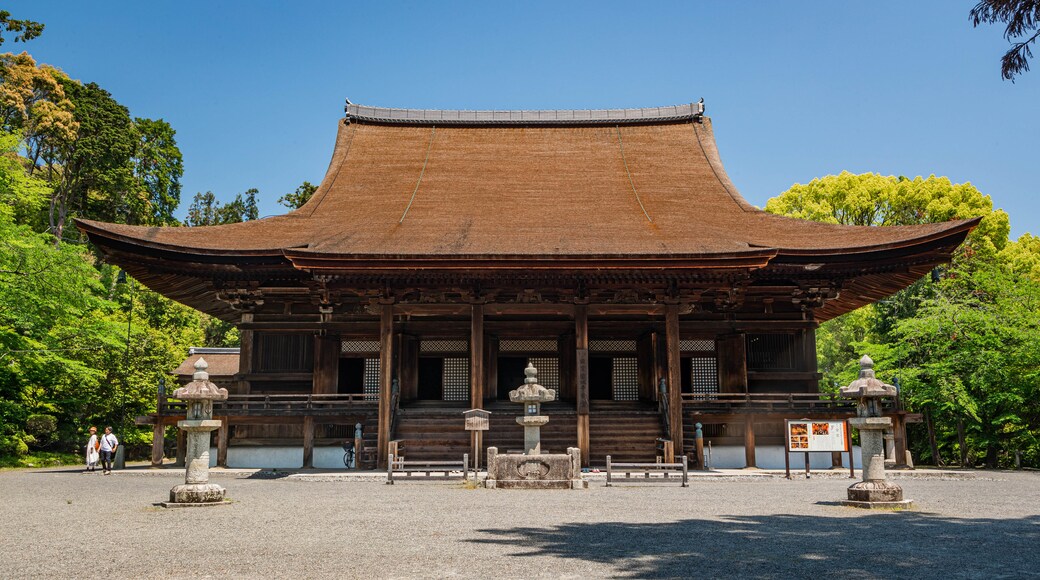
[549, 471]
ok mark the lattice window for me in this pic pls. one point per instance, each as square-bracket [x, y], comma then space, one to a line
[612, 346]
[528, 345]
[548, 371]
[371, 378]
[358, 346]
[770, 352]
[697, 345]
[704, 374]
[456, 379]
[625, 379]
[444, 346]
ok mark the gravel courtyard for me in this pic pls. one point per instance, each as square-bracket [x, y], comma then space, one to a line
[62, 523]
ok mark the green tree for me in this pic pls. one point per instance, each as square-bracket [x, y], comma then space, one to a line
[296, 199]
[21, 195]
[205, 210]
[26, 29]
[1022, 27]
[97, 178]
[158, 167]
[963, 339]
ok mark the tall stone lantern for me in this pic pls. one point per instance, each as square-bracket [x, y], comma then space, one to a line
[198, 423]
[874, 491]
[532, 395]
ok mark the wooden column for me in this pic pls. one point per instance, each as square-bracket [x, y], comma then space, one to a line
[476, 356]
[158, 435]
[182, 447]
[732, 363]
[386, 369]
[245, 355]
[749, 441]
[565, 348]
[809, 363]
[491, 384]
[326, 365]
[581, 377]
[408, 369]
[308, 441]
[222, 442]
[674, 376]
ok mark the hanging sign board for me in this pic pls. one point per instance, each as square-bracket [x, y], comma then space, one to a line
[809, 435]
[477, 420]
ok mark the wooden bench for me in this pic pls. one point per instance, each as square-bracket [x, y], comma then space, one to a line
[398, 467]
[647, 472]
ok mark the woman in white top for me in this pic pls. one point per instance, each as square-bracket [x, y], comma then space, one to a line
[92, 450]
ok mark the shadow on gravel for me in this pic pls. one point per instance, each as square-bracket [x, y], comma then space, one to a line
[871, 545]
[264, 474]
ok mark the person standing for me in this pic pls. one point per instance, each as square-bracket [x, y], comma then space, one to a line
[109, 443]
[92, 449]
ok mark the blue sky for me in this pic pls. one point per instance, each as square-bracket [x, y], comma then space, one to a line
[796, 90]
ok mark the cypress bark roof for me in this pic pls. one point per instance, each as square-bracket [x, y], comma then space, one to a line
[514, 186]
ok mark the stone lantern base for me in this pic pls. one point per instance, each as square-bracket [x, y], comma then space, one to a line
[546, 471]
[877, 495]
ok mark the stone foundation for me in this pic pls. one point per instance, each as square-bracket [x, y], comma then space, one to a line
[197, 493]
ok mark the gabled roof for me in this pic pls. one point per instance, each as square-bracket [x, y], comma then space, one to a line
[443, 188]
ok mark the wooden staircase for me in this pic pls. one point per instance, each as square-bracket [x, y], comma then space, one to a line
[627, 431]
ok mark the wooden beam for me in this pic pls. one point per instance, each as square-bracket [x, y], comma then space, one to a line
[476, 356]
[581, 377]
[749, 441]
[308, 441]
[674, 376]
[386, 369]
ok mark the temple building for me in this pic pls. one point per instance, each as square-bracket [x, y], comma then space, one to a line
[445, 250]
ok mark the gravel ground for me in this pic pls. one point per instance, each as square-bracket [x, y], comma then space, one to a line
[69, 524]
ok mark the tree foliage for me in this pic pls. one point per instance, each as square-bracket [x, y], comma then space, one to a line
[1022, 28]
[965, 342]
[206, 210]
[26, 29]
[296, 199]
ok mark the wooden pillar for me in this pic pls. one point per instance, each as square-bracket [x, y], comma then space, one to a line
[565, 349]
[491, 364]
[245, 355]
[581, 376]
[386, 368]
[749, 441]
[222, 442]
[408, 370]
[809, 362]
[308, 441]
[182, 447]
[158, 435]
[326, 365]
[476, 356]
[674, 376]
[899, 431]
[732, 363]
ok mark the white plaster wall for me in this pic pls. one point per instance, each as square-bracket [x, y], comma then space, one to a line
[327, 457]
[263, 457]
[772, 457]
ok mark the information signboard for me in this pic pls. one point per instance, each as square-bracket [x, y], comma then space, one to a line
[808, 435]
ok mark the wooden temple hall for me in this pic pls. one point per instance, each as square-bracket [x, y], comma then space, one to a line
[446, 250]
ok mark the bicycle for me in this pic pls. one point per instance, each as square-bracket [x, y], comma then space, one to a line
[348, 454]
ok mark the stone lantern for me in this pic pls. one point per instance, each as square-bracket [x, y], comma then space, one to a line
[199, 395]
[532, 395]
[874, 491]
[532, 469]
